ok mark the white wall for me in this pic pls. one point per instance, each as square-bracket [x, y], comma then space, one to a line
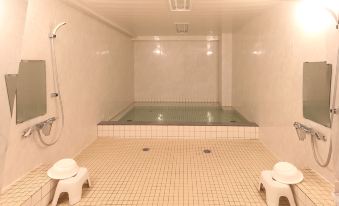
[10, 41]
[96, 75]
[180, 71]
[225, 69]
[268, 53]
[268, 56]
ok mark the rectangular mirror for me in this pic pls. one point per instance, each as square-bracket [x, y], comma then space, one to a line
[317, 92]
[11, 80]
[31, 99]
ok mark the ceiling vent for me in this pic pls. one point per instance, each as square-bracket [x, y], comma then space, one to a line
[181, 27]
[180, 5]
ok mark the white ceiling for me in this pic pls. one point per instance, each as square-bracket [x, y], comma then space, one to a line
[153, 17]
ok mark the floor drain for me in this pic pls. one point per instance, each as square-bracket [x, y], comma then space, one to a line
[207, 151]
[145, 149]
[233, 121]
[129, 120]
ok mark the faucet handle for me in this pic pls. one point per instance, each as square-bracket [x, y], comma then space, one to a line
[318, 135]
[27, 132]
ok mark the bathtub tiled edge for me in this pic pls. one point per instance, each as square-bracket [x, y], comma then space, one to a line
[171, 131]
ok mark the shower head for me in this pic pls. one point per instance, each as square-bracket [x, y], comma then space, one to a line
[55, 30]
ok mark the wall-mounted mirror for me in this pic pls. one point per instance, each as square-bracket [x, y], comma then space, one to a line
[29, 87]
[317, 92]
[31, 90]
[11, 84]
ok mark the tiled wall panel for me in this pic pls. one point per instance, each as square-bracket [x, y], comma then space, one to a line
[191, 132]
[91, 57]
[166, 70]
[268, 56]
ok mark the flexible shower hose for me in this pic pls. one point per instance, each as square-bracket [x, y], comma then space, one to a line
[325, 164]
[57, 90]
[313, 139]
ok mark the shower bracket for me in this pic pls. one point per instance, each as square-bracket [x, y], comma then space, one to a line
[334, 110]
[54, 94]
[52, 36]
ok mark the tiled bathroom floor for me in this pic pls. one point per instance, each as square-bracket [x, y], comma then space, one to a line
[174, 172]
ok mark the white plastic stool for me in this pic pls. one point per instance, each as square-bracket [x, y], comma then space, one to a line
[275, 190]
[73, 186]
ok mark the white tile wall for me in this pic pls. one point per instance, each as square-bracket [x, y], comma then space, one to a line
[12, 23]
[187, 132]
[181, 64]
[268, 54]
[90, 49]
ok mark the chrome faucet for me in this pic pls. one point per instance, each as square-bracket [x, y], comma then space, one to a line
[44, 126]
[303, 130]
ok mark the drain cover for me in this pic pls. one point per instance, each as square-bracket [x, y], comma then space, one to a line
[207, 151]
[233, 121]
[129, 120]
[145, 149]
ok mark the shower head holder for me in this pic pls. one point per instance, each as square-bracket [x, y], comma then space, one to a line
[334, 110]
[52, 35]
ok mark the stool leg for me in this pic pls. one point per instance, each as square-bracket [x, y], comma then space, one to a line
[56, 196]
[89, 182]
[74, 194]
[272, 199]
[290, 197]
[260, 184]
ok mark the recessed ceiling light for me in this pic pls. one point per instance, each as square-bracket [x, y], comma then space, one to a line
[180, 5]
[181, 27]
